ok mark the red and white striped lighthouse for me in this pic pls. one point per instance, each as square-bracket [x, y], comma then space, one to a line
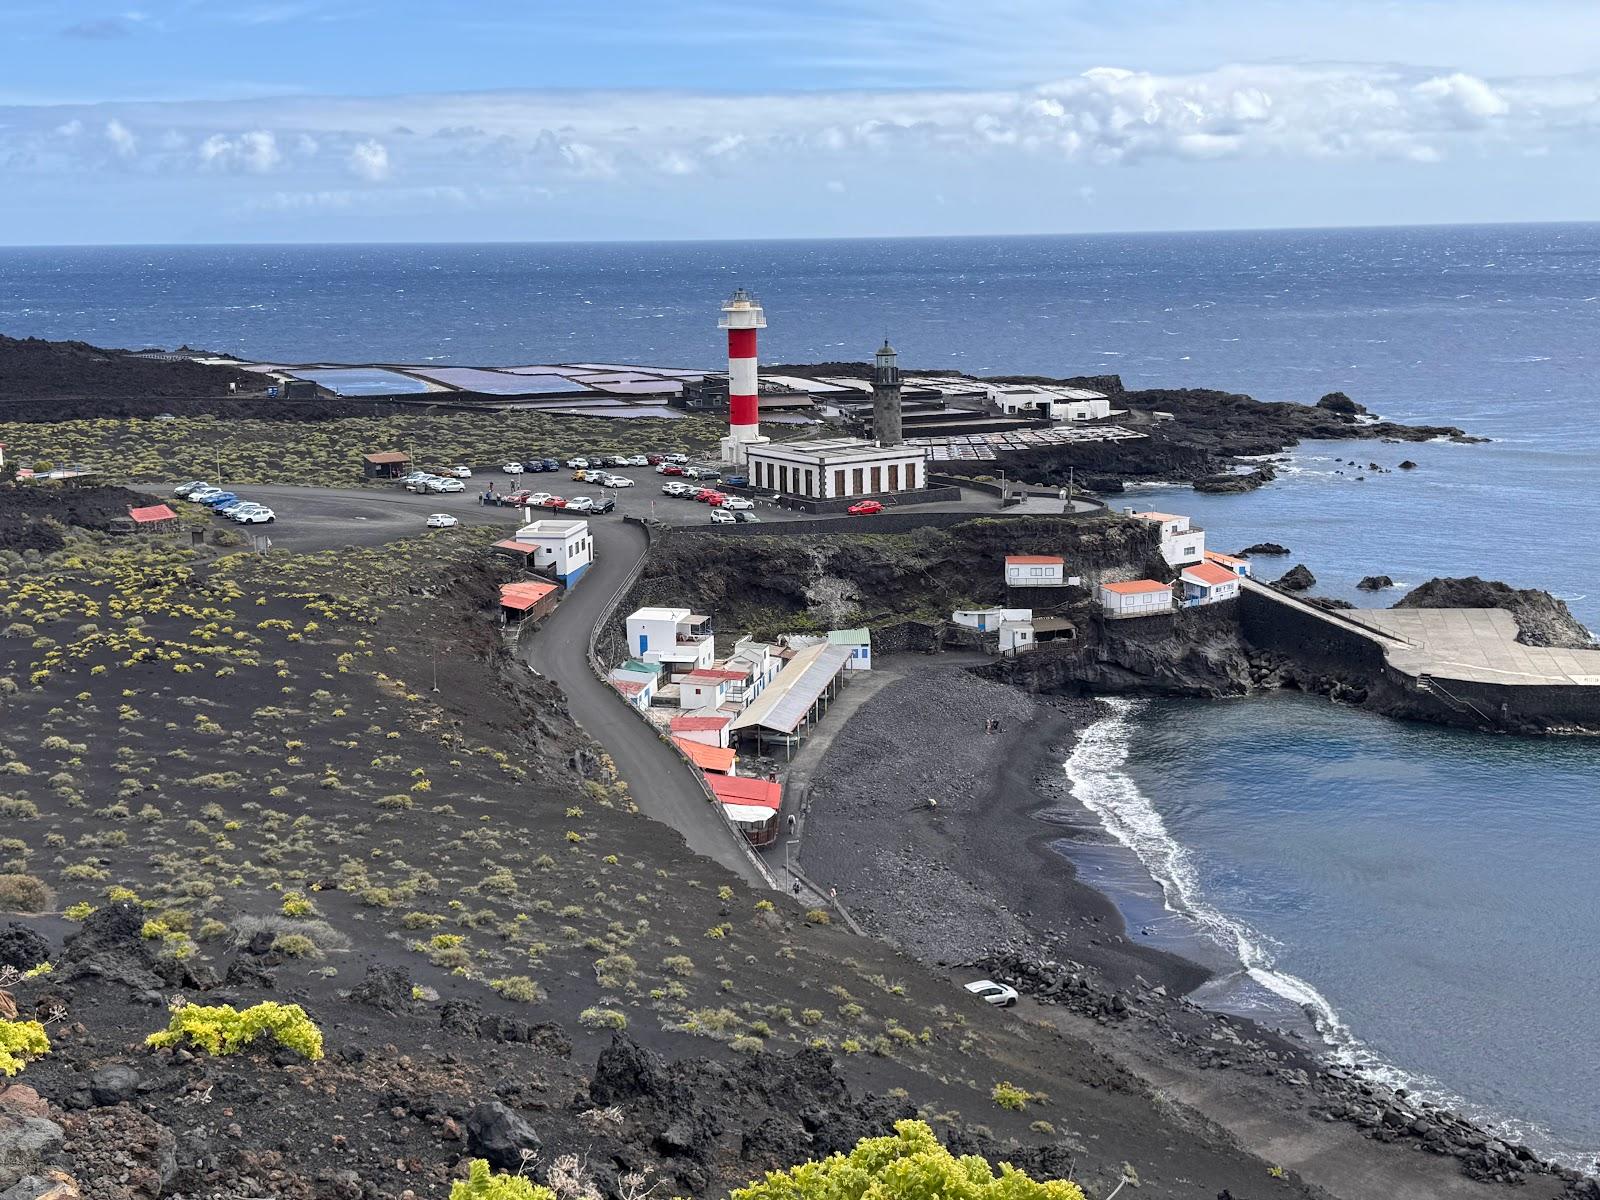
[741, 317]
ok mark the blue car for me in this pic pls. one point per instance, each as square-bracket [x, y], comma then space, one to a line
[533, 465]
[218, 502]
[551, 464]
[736, 481]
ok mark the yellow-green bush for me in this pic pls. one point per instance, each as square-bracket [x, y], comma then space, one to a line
[223, 1029]
[20, 1043]
[482, 1184]
[909, 1165]
[1010, 1097]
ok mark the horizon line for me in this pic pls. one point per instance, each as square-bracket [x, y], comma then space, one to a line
[859, 237]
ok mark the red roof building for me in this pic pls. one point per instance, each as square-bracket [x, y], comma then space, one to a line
[751, 804]
[529, 599]
[710, 759]
[152, 516]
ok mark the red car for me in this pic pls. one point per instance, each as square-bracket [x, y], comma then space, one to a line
[709, 496]
[653, 459]
[670, 469]
[517, 499]
[555, 502]
[865, 508]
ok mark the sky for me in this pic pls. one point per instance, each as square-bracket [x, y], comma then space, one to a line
[181, 121]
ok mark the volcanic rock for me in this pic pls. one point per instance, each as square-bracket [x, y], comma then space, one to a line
[1542, 620]
[1297, 578]
[1375, 583]
[1263, 548]
[22, 948]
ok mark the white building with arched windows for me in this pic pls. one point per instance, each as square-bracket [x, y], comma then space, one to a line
[837, 469]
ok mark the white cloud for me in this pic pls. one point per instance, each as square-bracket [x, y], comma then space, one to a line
[122, 140]
[370, 160]
[255, 150]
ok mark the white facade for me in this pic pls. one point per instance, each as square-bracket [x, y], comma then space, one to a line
[1036, 570]
[564, 548]
[1138, 598]
[698, 690]
[638, 688]
[1182, 544]
[1229, 562]
[1208, 583]
[988, 620]
[837, 468]
[1057, 403]
[1016, 637]
[709, 727]
[760, 665]
[860, 643]
[674, 637]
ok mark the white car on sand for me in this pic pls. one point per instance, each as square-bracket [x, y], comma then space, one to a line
[442, 521]
[1000, 995]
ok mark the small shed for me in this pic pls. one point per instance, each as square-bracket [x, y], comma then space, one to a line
[860, 643]
[386, 464]
[750, 804]
[153, 518]
[530, 600]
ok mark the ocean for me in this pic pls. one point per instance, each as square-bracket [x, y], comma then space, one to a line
[1426, 897]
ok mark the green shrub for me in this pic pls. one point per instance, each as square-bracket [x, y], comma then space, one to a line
[222, 1029]
[294, 945]
[23, 894]
[909, 1165]
[482, 1184]
[20, 1043]
[1010, 1097]
[602, 1018]
[519, 988]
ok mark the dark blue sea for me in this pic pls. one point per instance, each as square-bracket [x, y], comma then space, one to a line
[1429, 897]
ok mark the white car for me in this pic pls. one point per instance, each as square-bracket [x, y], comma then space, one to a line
[998, 994]
[255, 515]
[512, 468]
[618, 481]
[201, 495]
[680, 459]
[720, 517]
[637, 460]
[738, 502]
[581, 504]
[537, 499]
[674, 489]
[461, 472]
[577, 464]
[194, 485]
[446, 485]
[442, 521]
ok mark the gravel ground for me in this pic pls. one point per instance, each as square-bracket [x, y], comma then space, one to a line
[951, 881]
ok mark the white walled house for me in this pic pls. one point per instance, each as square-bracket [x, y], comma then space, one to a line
[1182, 544]
[1208, 583]
[760, 664]
[638, 688]
[563, 548]
[1230, 562]
[860, 643]
[1057, 403]
[674, 637]
[708, 727]
[988, 620]
[1016, 637]
[707, 687]
[837, 468]
[1135, 598]
[1036, 570]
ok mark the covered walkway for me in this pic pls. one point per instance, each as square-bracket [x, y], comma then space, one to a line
[793, 702]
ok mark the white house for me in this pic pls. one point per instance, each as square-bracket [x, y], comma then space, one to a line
[1016, 637]
[638, 688]
[1057, 403]
[1036, 570]
[837, 468]
[987, 620]
[1207, 584]
[760, 665]
[1181, 542]
[860, 643]
[674, 637]
[708, 727]
[1239, 566]
[1135, 598]
[564, 548]
[706, 687]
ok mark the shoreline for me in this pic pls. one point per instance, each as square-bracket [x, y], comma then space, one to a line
[970, 888]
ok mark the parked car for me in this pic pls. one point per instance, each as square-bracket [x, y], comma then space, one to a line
[736, 481]
[695, 473]
[704, 495]
[653, 460]
[718, 517]
[201, 494]
[258, 514]
[1000, 995]
[743, 517]
[460, 472]
[604, 505]
[194, 485]
[537, 498]
[672, 489]
[551, 464]
[534, 465]
[738, 502]
[512, 468]
[669, 469]
[618, 481]
[865, 508]
[442, 521]
[581, 474]
[219, 499]
[577, 462]
[679, 459]
[581, 504]
[446, 485]
[637, 460]
[555, 502]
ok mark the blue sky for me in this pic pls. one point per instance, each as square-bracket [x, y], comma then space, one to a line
[336, 120]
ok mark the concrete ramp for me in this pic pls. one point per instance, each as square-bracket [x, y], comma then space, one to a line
[1477, 645]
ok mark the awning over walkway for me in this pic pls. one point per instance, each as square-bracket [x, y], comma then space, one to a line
[788, 698]
[746, 799]
[709, 759]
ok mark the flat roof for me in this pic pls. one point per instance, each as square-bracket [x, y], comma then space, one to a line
[695, 722]
[1159, 516]
[827, 449]
[1136, 587]
[711, 675]
[549, 528]
[787, 699]
[659, 614]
